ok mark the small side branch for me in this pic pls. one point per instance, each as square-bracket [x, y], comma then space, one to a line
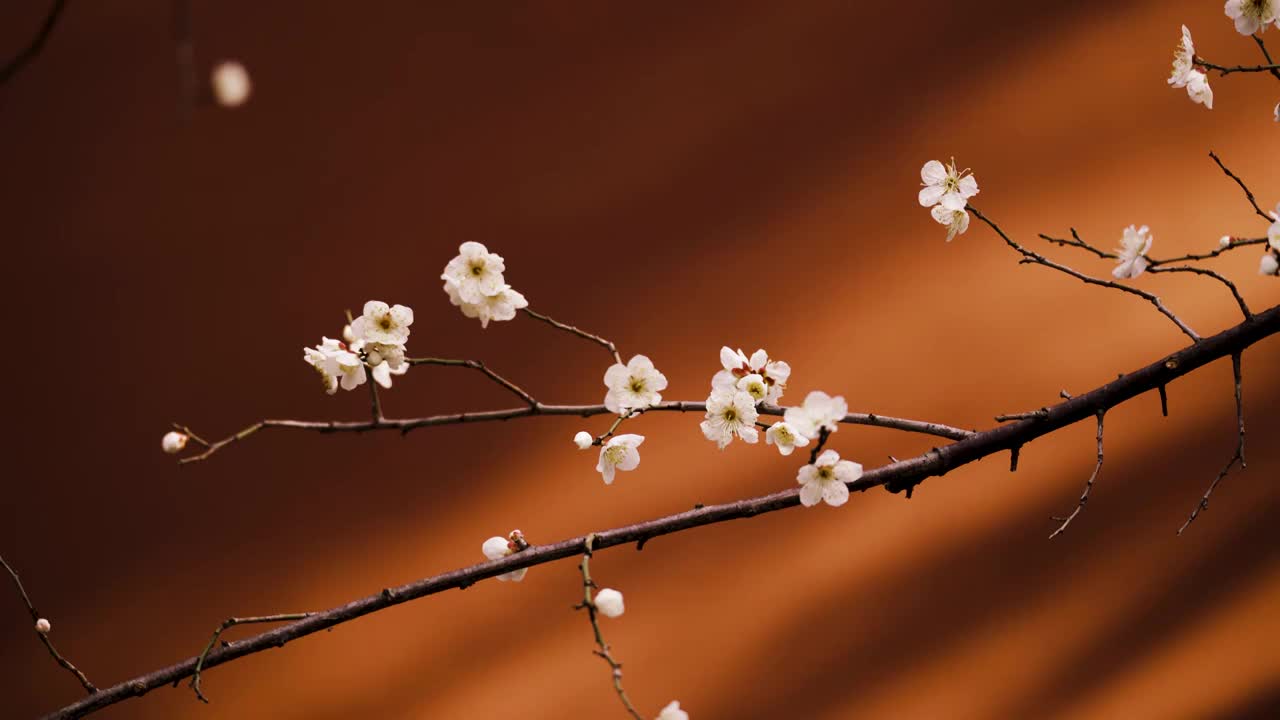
[1088, 486]
[1029, 256]
[44, 638]
[227, 624]
[1075, 241]
[1235, 293]
[1225, 70]
[603, 651]
[1267, 56]
[1247, 192]
[606, 344]
[1232, 245]
[477, 365]
[32, 51]
[1238, 457]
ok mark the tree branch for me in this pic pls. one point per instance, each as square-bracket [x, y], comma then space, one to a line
[1247, 192]
[1029, 256]
[405, 425]
[1238, 457]
[900, 475]
[1088, 486]
[477, 365]
[30, 53]
[44, 637]
[1244, 308]
[1266, 56]
[608, 345]
[615, 667]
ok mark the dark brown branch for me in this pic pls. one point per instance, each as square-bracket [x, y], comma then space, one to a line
[1247, 192]
[1266, 56]
[1029, 256]
[477, 365]
[1237, 457]
[1235, 243]
[1088, 486]
[606, 344]
[1235, 293]
[407, 424]
[1225, 70]
[1077, 242]
[615, 667]
[223, 627]
[44, 637]
[30, 53]
[185, 54]
[896, 476]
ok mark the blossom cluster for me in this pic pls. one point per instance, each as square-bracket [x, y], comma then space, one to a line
[1250, 17]
[373, 344]
[474, 282]
[737, 388]
[1270, 264]
[1133, 251]
[946, 192]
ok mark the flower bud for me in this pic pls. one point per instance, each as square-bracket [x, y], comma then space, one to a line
[231, 84]
[173, 442]
[1270, 265]
[609, 603]
[1224, 241]
[348, 335]
[43, 626]
[583, 440]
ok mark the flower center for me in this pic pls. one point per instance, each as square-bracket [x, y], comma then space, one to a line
[731, 415]
[637, 385]
[824, 473]
[385, 322]
[477, 269]
[614, 454]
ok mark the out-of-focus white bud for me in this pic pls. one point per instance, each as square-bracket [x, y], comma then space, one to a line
[230, 83]
[43, 626]
[583, 439]
[1269, 266]
[1224, 241]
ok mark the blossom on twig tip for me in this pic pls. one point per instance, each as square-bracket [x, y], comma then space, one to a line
[1132, 251]
[583, 440]
[673, 712]
[173, 442]
[43, 626]
[609, 603]
[619, 453]
[1252, 16]
[946, 185]
[633, 386]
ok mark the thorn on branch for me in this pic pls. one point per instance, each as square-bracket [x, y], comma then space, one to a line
[1014, 452]
[1164, 401]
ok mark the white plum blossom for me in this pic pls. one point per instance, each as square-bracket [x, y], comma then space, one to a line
[633, 386]
[825, 480]
[755, 386]
[1183, 60]
[583, 440]
[230, 83]
[730, 413]
[1198, 88]
[618, 453]
[382, 373]
[957, 221]
[609, 603]
[673, 712]
[819, 411]
[43, 626]
[336, 365]
[382, 323]
[173, 442]
[1252, 16]
[1132, 251]
[475, 272]
[496, 548]
[1273, 232]
[1270, 264]
[737, 366]
[944, 184]
[785, 437]
[501, 305]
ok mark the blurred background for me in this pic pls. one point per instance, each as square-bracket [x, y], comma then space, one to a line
[676, 178]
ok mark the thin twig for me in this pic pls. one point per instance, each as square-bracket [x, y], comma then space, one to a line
[1238, 457]
[1032, 415]
[1266, 55]
[1244, 308]
[405, 425]
[615, 667]
[477, 365]
[230, 623]
[185, 54]
[44, 637]
[1235, 243]
[376, 410]
[1088, 486]
[823, 434]
[30, 52]
[1077, 242]
[1225, 70]
[1035, 257]
[904, 474]
[1247, 192]
[608, 345]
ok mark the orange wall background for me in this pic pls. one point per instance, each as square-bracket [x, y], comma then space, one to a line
[677, 178]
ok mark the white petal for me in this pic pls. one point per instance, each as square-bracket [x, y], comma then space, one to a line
[810, 494]
[933, 172]
[835, 493]
[929, 196]
[495, 548]
[828, 457]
